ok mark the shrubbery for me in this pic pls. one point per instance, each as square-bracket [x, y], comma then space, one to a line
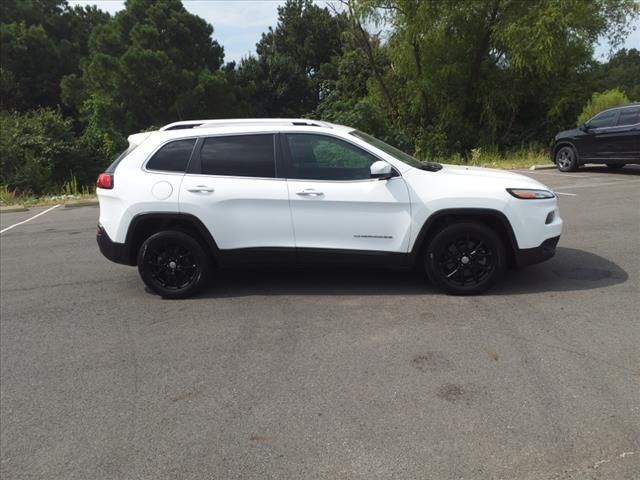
[39, 152]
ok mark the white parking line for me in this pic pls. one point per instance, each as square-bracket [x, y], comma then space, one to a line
[28, 219]
[603, 184]
[564, 193]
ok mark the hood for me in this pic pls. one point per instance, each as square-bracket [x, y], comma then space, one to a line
[508, 179]
[568, 133]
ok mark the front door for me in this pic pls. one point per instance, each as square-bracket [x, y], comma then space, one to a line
[335, 204]
[232, 187]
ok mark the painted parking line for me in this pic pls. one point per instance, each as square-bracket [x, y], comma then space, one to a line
[29, 219]
[602, 184]
[567, 194]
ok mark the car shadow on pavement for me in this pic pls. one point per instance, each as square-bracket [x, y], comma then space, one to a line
[571, 269]
[628, 170]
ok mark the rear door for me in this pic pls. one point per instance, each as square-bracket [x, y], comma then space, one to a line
[233, 188]
[335, 204]
[628, 134]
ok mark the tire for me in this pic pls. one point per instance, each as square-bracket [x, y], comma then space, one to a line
[615, 166]
[445, 263]
[173, 264]
[566, 159]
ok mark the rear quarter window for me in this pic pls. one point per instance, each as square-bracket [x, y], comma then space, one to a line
[173, 156]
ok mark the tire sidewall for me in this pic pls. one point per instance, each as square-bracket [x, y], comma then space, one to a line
[451, 232]
[194, 247]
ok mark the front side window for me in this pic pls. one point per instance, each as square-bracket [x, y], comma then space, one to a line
[604, 119]
[319, 157]
[239, 156]
[629, 116]
[173, 156]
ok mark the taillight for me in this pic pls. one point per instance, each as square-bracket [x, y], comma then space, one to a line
[105, 180]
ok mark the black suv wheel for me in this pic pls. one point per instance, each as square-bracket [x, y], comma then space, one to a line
[464, 258]
[173, 264]
[566, 159]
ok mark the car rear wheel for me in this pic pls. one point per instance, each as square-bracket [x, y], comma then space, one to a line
[566, 159]
[615, 166]
[464, 258]
[173, 264]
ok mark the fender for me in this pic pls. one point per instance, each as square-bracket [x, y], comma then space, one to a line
[494, 218]
[164, 221]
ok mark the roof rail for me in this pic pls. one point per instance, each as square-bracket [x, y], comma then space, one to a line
[244, 121]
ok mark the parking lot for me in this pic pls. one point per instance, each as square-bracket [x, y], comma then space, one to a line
[325, 373]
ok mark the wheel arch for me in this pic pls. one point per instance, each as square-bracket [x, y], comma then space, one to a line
[494, 219]
[565, 143]
[142, 226]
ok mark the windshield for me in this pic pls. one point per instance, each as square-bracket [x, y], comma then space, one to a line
[393, 151]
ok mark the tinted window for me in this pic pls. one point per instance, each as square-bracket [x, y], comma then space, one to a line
[172, 157]
[629, 116]
[320, 157]
[240, 156]
[604, 119]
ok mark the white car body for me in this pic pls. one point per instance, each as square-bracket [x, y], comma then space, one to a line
[368, 215]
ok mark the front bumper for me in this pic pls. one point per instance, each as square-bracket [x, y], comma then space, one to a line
[116, 252]
[530, 256]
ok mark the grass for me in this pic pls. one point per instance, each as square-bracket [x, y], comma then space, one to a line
[67, 193]
[479, 157]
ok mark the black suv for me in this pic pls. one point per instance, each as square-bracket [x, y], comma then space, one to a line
[611, 137]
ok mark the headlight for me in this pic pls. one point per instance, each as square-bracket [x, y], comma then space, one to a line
[530, 194]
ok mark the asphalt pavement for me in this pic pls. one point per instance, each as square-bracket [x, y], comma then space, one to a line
[323, 374]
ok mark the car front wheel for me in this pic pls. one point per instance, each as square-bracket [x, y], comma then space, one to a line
[566, 159]
[464, 258]
[173, 264]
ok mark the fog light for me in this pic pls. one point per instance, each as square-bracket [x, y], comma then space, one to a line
[550, 217]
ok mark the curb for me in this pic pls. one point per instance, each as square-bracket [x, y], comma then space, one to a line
[542, 167]
[82, 203]
[13, 208]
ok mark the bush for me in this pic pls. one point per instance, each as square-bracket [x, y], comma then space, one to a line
[601, 101]
[35, 150]
[39, 152]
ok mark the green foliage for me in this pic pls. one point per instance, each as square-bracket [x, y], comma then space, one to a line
[152, 63]
[286, 78]
[601, 101]
[36, 149]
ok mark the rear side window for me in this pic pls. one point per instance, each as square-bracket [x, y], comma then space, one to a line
[239, 156]
[629, 116]
[604, 119]
[172, 157]
[112, 168]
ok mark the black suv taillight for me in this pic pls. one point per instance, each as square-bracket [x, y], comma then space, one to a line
[105, 180]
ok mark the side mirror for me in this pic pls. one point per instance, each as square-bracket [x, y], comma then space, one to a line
[584, 127]
[381, 170]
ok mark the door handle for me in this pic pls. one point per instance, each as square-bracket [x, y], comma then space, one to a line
[200, 188]
[310, 192]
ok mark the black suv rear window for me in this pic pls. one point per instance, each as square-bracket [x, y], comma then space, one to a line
[239, 156]
[172, 157]
[629, 116]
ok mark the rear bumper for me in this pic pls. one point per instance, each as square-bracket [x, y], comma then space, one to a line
[116, 252]
[530, 256]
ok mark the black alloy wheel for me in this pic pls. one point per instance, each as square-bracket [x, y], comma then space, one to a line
[173, 264]
[465, 258]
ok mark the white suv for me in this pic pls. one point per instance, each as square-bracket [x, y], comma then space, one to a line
[194, 196]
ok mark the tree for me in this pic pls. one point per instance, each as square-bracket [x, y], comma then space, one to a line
[153, 63]
[601, 101]
[286, 78]
[478, 72]
[41, 42]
